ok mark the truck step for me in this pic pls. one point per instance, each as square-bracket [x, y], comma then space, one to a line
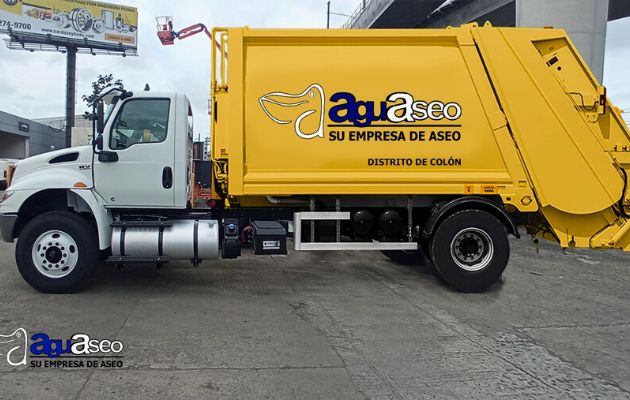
[141, 224]
[131, 259]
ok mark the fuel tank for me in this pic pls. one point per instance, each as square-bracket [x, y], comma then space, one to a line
[183, 240]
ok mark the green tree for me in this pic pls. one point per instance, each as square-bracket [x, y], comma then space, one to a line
[101, 83]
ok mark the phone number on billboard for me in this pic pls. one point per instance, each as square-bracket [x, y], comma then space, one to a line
[14, 25]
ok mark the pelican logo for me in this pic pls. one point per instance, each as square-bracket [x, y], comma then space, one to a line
[14, 347]
[304, 110]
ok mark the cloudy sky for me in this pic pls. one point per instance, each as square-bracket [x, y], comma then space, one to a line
[32, 84]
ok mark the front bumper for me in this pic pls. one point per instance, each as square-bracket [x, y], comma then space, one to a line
[7, 222]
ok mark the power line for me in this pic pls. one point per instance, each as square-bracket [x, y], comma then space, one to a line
[329, 13]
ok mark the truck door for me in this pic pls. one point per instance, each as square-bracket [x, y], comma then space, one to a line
[142, 136]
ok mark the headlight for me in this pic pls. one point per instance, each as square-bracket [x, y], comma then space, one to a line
[6, 195]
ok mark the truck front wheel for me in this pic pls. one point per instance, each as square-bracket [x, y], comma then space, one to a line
[57, 252]
[470, 249]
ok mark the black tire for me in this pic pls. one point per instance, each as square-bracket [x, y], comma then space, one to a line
[425, 247]
[470, 250]
[85, 254]
[405, 257]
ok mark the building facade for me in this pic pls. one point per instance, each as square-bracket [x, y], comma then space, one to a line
[81, 132]
[21, 138]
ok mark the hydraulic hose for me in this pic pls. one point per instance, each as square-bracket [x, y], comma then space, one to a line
[623, 193]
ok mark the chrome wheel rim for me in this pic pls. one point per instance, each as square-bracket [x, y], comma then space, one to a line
[55, 254]
[472, 249]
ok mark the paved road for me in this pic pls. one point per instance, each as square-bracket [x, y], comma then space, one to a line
[336, 326]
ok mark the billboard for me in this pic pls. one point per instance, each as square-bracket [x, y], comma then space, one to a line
[83, 23]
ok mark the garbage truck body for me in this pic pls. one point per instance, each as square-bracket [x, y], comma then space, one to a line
[418, 143]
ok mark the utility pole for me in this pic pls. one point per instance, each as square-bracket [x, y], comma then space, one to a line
[328, 16]
[71, 73]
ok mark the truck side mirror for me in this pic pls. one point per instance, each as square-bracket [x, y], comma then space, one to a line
[107, 156]
[100, 120]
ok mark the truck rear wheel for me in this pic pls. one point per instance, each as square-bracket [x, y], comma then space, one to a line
[57, 252]
[470, 250]
[405, 257]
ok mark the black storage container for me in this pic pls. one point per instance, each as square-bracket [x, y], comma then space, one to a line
[269, 238]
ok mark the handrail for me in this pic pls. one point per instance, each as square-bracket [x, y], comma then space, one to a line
[223, 59]
[219, 59]
[354, 17]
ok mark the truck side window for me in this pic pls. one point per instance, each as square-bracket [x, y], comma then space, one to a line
[140, 121]
[190, 122]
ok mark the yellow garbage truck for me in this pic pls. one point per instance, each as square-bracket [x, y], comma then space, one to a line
[418, 143]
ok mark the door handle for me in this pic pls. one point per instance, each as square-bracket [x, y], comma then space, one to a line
[167, 178]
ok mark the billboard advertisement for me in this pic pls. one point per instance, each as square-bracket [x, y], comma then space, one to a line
[102, 25]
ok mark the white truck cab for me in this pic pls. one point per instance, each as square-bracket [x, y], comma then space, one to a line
[146, 158]
[64, 205]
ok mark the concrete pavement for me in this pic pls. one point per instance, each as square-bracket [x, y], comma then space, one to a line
[335, 326]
